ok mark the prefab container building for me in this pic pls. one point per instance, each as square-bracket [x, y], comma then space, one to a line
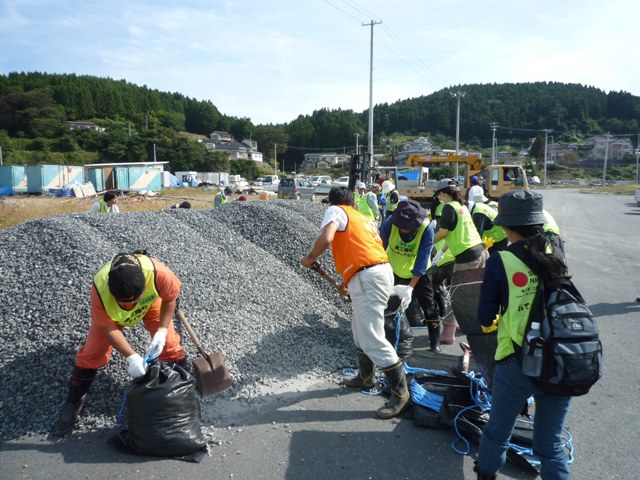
[135, 176]
[42, 178]
[14, 177]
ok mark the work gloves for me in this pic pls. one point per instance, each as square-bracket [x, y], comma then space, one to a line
[157, 344]
[136, 365]
[439, 256]
[403, 292]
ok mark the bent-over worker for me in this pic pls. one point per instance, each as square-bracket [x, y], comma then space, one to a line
[129, 289]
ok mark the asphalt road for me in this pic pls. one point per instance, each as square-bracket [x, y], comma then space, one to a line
[323, 431]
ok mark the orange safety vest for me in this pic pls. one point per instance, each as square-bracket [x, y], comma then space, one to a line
[358, 246]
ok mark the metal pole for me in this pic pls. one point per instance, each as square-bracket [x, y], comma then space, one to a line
[606, 157]
[357, 143]
[637, 157]
[494, 125]
[372, 23]
[544, 179]
[154, 153]
[458, 95]
[1, 161]
[275, 158]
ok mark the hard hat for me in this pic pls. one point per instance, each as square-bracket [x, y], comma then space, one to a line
[387, 187]
[228, 190]
[360, 185]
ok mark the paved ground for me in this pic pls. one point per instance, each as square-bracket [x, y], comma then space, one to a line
[323, 431]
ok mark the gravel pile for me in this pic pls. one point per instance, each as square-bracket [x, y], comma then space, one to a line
[243, 291]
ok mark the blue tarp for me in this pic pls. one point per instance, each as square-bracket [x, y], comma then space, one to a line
[6, 191]
[409, 175]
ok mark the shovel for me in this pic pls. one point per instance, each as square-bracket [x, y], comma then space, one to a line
[210, 372]
[320, 271]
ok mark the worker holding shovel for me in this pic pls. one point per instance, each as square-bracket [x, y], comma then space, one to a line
[129, 289]
[367, 278]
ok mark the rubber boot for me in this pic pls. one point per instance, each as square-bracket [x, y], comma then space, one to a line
[81, 380]
[400, 397]
[448, 334]
[434, 337]
[366, 378]
[482, 475]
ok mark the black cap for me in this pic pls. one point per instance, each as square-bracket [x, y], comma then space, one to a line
[126, 279]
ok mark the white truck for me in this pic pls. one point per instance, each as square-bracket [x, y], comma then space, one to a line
[270, 183]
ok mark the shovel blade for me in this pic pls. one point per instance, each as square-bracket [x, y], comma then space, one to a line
[211, 375]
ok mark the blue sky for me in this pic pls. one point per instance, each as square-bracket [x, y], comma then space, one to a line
[272, 60]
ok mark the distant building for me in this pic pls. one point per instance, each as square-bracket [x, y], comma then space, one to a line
[226, 143]
[618, 149]
[80, 125]
[324, 161]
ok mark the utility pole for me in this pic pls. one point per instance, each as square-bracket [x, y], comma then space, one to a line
[606, 157]
[637, 158]
[275, 158]
[1, 162]
[494, 144]
[154, 153]
[367, 172]
[458, 95]
[357, 143]
[544, 178]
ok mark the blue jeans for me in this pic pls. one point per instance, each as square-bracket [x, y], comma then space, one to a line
[511, 389]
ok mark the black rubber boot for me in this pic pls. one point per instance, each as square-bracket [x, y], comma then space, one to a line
[366, 378]
[434, 336]
[400, 397]
[482, 475]
[81, 380]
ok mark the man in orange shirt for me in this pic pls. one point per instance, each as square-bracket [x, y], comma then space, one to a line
[129, 289]
[368, 279]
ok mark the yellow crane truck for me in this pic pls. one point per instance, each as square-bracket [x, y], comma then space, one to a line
[497, 179]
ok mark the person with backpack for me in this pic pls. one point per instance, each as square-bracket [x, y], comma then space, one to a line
[509, 289]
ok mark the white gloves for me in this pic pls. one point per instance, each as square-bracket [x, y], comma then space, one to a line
[136, 365]
[438, 257]
[403, 292]
[157, 344]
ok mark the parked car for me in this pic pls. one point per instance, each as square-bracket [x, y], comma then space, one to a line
[257, 182]
[296, 189]
[316, 180]
[341, 182]
[637, 198]
[271, 182]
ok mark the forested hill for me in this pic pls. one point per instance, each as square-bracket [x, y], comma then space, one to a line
[540, 105]
[53, 98]
[34, 106]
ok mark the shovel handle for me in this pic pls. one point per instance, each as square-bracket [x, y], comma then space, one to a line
[191, 333]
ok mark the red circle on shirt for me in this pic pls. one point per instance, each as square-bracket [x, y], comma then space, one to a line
[520, 279]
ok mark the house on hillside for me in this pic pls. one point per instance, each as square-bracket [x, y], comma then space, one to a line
[619, 148]
[226, 143]
[81, 125]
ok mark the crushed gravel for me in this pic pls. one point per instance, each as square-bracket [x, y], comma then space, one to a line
[243, 291]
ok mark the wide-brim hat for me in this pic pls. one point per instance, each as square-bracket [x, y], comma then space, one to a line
[409, 215]
[479, 198]
[519, 208]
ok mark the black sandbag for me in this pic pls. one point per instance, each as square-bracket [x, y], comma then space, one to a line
[163, 413]
[405, 343]
[465, 295]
